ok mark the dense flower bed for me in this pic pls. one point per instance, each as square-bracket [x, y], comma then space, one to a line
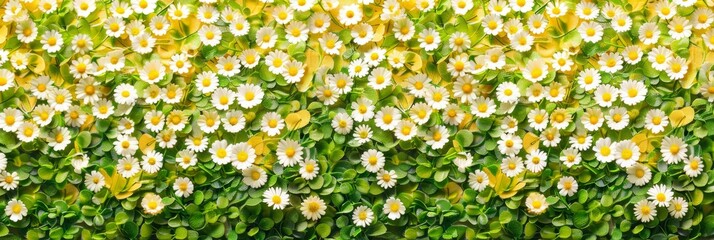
[356, 119]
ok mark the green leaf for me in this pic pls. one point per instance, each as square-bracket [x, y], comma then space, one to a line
[83, 139]
[131, 229]
[323, 229]
[581, 219]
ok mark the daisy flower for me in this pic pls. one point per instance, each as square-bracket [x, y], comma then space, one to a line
[309, 169]
[394, 208]
[492, 24]
[550, 137]
[362, 216]
[560, 118]
[362, 134]
[536, 203]
[313, 208]
[677, 67]
[478, 180]
[330, 43]
[372, 160]
[512, 166]
[186, 159]
[58, 138]
[537, 23]
[536, 161]
[535, 71]
[16, 210]
[10, 180]
[693, 166]
[567, 186]
[94, 181]
[27, 131]
[603, 150]
[437, 137]
[632, 92]
[521, 41]
[592, 119]
[570, 157]
[276, 198]
[648, 33]
[610, 62]
[632, 54]
[645, 211]
[621, 23]
[386, 179]
[453, 114]
[183, 187]
[660, 195]
[459, 41]
[656, 120]
[591, 32]
[679, 28]
[508, 92]
[673, 150]
[128, 167]
[11, 119]
[521, 5]
[254, 177]
[510, 144]
[152, 203]
[220, 152]
[587, 10]
[152, 162]
[626, 153]
[678, 207]
[233, 121]
[289, 152]
[639, 174]
[272, 123]
[538, 119]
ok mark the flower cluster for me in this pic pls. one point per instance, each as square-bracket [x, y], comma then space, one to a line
[351, 113]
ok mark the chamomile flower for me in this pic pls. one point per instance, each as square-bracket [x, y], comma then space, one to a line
[535, 70]
[521, 5]
[621, 23]
[537, 23]
[221, 152]
[536, 161]
[362, 109]
[626, 153]
[483, 107]
[453, 114]
[210, 35]
[693, 166]
[313, 208]
[272, 123]
[362, 216]
[94, 181]
[319, 22]
[679, 28]
[639, 174]
[276, 198]
[254, 176]
[58, 138]
[459, 41]
[677, 67]
[567, 186]
[673, 149]
[660, 195]
[16, 210]
[309, 169]
[508, 92]
[27, 131]
[372, 160]
[648, 33]
[550, 137]
[387, 118]
[183, 187]
[606, 94]
[592, 119]
[538, 119]
[604, 150]
[656, 121]
[152, 162]
[570, 157]
[405, 130]
[492, 24]
[126, 145]
[289, 152]
[581, 141]
[632, 92]
[128, 167]
[510, 144]
[152, 203]
[362, 134]
[429, 39]
[186, 159]
[678, 207]
[560, 118]
[11, 119]
[437, 137]
[556, 10]
[659, 57]
[536, 203]
[330, 43]
[394, 208]
[702, 18]
[645, 210]
[521, 41]
[512, 166]
[591, 32]
[478, 180]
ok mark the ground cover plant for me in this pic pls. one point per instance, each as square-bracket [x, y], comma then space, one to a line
[356, 119]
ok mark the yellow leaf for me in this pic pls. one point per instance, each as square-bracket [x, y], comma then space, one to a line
[453, 192]
[146, 143]
[257, 143]
[643, 141]
[3, 34]
[38, 62]
[378, 33]
[681, 117]
[530, 142]
[297, 119]
[70, 193]
[695, 61]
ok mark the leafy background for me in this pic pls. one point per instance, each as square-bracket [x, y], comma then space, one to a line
[439, 202]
